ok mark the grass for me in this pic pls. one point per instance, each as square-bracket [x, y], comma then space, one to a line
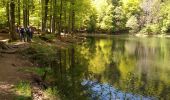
[23, 89]
[41, 54]
[52, 93]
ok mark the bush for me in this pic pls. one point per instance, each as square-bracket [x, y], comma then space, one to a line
[52, 93]
[41, 54]
[23, 88]
[91, 27]
[132, 23]
[151, 29]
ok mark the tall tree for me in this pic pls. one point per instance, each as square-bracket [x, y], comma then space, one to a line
[7, 13]
[19, 11]
[54, 16]
[12, 20]
[61, 9]
[44, 14]
[73, 15]
[25, 13]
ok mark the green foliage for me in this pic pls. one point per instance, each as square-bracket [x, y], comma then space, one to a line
[23, 89]
[104, 9]
[92, 15]
[165, 17]
[48, 37]
[119, 19]
[132, 23]
[151, 29]
[91, 26]
[130, 7]
[158, 21]
[41, 54]
[52, 93]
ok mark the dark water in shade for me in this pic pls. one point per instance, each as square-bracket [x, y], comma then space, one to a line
[132, 68]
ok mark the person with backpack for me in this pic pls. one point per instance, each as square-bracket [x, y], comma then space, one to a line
[22, 33]
[31, 33]
[27, 34]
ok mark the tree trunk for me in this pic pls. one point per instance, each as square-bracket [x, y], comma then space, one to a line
[44, 14]
[65, 14]
[69, 20]
[12, 21]
[24, 14]
[51, 10]
[28, 7]
[61, 8]
[54, 16]
[7, 14]
[19, 10]
[73, 15]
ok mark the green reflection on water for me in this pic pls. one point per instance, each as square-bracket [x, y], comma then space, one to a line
[137, 65]
[147, 58]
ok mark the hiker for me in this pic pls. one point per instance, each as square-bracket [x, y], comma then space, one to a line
[29, 33]
[22, 34]
[18, 31]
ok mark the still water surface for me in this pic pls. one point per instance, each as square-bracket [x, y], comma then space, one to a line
[118, 67]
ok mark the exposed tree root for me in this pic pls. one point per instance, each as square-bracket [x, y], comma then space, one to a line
[4, 48]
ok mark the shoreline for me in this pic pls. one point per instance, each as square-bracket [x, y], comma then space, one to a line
[135, 35]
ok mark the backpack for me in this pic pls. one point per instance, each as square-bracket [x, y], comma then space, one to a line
[22, 30]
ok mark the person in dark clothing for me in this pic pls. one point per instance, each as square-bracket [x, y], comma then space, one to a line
[22, 34]
[29, 33]
[18, 31]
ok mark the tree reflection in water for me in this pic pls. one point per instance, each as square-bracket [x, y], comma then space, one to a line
[134, 68]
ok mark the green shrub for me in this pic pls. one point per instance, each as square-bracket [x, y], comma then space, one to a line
[132, 23]
[23, 88]
[151, 29]
[48, 37]
[52, 93]
[41, 54]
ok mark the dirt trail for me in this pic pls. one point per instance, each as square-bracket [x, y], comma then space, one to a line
[10, 73]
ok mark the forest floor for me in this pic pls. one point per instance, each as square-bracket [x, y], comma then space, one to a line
[10, 63]
[11, 74]
[13, 64]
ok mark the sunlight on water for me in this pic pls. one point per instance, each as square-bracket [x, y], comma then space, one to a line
[107, 92]
[110, 60]
[128, 66]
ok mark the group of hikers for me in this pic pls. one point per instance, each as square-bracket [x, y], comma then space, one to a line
[25, 34]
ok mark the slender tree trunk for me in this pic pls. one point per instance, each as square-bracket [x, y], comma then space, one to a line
[12, 21]
[44, 14]
[19, 11]
[69, 20]
[61, 8]
[65, 14]
[24, 14]
[73, 15]
[54, 16]
[51, 11]
[28, 7]
[7, 14]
